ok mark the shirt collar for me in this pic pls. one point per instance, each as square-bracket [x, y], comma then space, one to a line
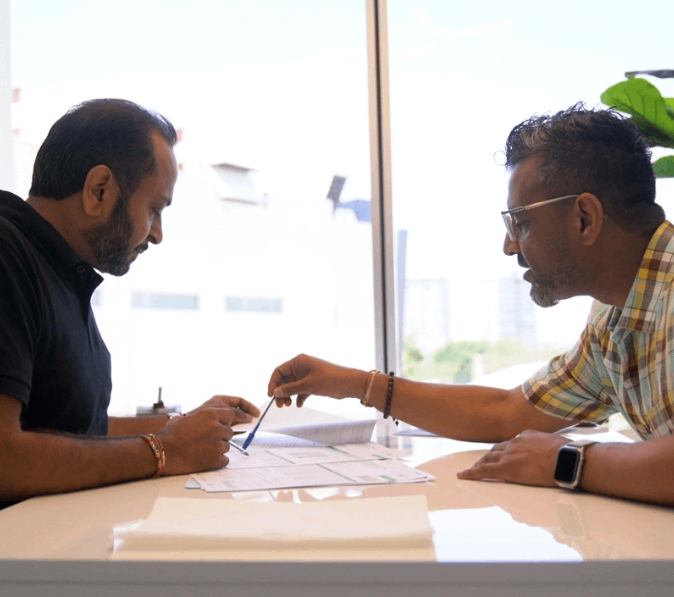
[50, 243]
[654, 277]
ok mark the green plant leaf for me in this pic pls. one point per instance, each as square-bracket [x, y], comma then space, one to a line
[653, 134]
[645, 104]
[669, 104]
[664, 167]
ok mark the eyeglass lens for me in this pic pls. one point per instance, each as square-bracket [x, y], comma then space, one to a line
[507, 219]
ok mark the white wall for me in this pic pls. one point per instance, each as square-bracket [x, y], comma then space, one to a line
[6, 169]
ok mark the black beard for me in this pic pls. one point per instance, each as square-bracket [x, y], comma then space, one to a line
[110, 241]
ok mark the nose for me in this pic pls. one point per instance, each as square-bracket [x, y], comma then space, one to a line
[156, 235]
[510, 246]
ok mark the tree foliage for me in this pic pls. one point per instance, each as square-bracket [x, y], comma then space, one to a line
[456, 361]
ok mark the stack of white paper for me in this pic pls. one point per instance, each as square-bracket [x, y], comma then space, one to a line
[205, 524]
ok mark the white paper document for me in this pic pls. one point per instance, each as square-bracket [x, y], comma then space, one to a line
[307, 435]
[319, 454]
[310, 455]
[331, 434]
[201, 524]
[354, 472]
[269, 439]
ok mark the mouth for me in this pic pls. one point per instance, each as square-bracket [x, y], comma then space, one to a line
[134, 255]
[528, 275]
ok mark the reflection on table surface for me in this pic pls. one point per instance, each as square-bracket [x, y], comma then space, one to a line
[473, 521]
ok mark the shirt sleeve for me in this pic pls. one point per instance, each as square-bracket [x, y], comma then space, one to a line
[570, 385]
[19, 324]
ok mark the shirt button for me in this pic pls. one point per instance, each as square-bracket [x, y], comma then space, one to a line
[81, 269]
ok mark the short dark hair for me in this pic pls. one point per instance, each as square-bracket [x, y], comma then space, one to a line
[595, 151]
[113, 132]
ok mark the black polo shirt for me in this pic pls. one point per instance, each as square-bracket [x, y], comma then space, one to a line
[52, 357]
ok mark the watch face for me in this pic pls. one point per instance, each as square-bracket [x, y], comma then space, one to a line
[567, 465]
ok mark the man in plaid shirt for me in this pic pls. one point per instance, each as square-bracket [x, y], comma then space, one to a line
[582, 219]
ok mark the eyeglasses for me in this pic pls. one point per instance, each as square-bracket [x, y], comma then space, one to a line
[508, 214]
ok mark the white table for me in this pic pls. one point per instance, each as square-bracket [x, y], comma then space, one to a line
[490, 539]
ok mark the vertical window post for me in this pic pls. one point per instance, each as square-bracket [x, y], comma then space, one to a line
[382, 204]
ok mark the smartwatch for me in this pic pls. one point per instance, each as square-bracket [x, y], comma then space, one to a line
[570, 462]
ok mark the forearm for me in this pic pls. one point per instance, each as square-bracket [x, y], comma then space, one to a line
[471, 413]
[118, 426]
[35, 463]
[643, 471]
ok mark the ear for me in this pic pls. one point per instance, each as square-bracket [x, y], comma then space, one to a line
[100, 192]
[590, 218]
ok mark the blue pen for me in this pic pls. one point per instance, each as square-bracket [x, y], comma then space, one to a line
[251, 435]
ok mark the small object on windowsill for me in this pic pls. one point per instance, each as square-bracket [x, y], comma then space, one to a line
[158, 408]
[159, 403]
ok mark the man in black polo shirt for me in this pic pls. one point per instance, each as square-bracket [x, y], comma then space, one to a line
[100, 183]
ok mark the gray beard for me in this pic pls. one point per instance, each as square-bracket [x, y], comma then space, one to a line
[548, 292]
[543, 295]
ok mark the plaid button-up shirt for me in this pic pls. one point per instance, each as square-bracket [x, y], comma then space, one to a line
[624, 360]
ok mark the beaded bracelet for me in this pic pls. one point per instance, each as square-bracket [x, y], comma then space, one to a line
[157, 448]
[389, 397]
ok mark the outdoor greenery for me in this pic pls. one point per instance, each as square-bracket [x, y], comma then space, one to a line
[650, 111]
[456, 361]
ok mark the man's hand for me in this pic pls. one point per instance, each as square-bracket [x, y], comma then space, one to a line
[305, 375]
[198, 441]
[529, 459]
[244, 411]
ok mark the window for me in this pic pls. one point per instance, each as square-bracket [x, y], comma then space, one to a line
[273, 210]
[254, 305]
[255, 266]
[154, 300]
[235, 183]
[462, 76]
